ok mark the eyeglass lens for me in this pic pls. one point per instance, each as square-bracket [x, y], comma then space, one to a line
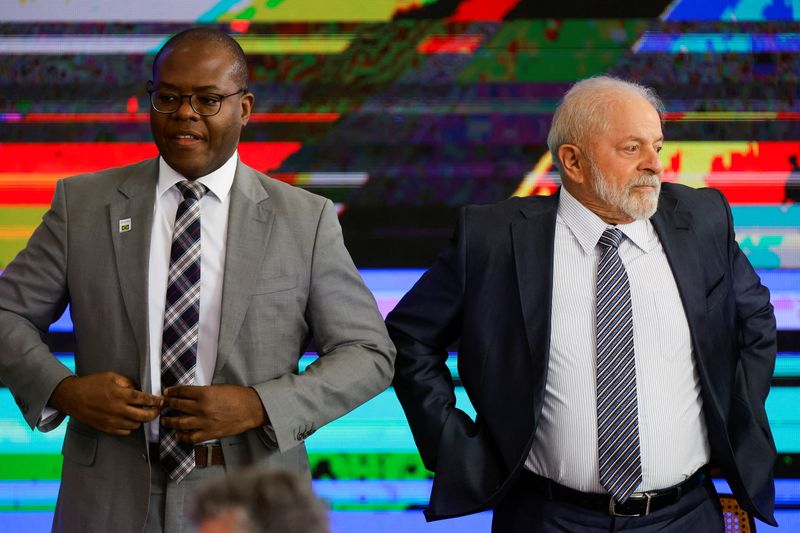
[203, 104]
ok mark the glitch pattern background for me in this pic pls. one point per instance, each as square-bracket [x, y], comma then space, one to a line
[401, 111]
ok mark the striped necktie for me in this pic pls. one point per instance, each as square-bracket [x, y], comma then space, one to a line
[617, 410]
[181, 321]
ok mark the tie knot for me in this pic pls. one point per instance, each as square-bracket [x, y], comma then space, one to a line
[192, 190]
[611, 238]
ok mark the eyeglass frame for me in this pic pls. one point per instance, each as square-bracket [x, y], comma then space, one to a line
[150, 88]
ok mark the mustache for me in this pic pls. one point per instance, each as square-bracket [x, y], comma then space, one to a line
[650, 180]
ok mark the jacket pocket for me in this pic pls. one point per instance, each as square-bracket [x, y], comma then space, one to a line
[276, 284]
[79, 447]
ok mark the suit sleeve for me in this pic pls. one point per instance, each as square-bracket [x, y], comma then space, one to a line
[423, 325]
[356, 357]
[755, 319]
[33, 294]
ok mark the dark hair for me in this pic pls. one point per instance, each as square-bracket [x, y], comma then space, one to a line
[239, 69]
[262, 501]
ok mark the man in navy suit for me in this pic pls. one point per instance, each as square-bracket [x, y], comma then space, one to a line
[517, 289]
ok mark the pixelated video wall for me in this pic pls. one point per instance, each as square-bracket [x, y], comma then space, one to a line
[401, 111]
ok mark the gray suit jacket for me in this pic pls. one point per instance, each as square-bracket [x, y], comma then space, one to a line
[288, 278]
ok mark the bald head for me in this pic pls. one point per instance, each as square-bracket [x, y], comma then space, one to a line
[584, 111]
[239, 71]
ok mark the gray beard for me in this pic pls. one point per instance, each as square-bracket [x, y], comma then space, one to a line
[638, 206]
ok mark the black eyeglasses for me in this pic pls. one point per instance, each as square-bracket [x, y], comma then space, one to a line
[204, 104]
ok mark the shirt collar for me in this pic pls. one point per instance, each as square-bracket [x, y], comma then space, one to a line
[587, 227]
[219, 182]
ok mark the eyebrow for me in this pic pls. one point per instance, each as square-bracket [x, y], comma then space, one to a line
[195, 89]
[640, 140]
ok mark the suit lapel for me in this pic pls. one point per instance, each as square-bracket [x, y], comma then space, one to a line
[674, 228]
[249, 226]
[533, 241]
[132, 249]
[683, 251]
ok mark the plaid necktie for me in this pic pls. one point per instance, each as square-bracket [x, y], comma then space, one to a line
[617, 411]
[181, 321]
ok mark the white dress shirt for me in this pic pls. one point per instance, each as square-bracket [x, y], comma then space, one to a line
[213, 229]
[672, 430]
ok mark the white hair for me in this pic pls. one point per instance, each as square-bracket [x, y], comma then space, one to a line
[582, 113]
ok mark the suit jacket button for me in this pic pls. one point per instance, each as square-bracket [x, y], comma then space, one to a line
[144, 457]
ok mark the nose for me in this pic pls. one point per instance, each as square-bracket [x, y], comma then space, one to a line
[185, 109]
[651, 162]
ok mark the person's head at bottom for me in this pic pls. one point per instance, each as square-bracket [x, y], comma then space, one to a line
[259, 501]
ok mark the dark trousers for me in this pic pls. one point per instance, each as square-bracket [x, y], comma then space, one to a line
[525, 510]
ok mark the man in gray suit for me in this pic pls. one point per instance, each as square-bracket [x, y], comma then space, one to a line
[275, 273]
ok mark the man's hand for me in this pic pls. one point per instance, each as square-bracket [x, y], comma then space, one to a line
[106, 401]
[213, 411]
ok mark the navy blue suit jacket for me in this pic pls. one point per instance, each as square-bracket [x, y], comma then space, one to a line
[491, 291]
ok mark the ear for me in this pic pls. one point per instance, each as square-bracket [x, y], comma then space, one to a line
[572, 162]
[248, 99]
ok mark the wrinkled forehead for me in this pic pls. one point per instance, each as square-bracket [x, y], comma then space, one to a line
[626, 110]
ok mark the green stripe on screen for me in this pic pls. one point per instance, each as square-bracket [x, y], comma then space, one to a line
[368, 466]
[370, 506]
[35, 466]
[300, 44]
[378, 506]
[9, 248]
[16, 217]
[32, 507]
[341, 466]
[21, 215]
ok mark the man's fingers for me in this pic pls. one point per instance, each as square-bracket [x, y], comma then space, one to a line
[189, 407]
[122, 381]
[128, 424]
[143, 399]
[107, 401]
[192, 392]
[193, 436]
[140, 414]
[182, 423]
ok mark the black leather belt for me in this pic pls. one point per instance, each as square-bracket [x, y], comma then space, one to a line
[204, 455]
[638, 504]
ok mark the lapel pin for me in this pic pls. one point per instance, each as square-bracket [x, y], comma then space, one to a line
[124, 225]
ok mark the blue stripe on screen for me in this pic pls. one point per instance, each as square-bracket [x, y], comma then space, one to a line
[394, 283]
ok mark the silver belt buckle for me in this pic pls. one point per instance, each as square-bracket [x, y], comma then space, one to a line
[209, 448]
[612, 505]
